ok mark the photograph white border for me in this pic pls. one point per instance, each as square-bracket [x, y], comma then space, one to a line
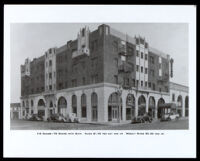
[174, 143]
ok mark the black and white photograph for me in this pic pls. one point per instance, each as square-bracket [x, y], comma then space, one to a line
[103, 76]
[90, 81]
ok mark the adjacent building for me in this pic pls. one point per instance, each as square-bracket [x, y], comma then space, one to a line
[15, 111]
[102, 75]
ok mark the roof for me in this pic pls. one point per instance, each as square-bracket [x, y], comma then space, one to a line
[177, 86]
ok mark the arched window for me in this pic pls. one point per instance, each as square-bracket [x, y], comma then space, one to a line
[160, 112]
[180, 104]
[152, 106]
[141, 105]
[130, 106]
[74, 104]
[83, 106]
[51, 104]
[94, 104]
[186, 106]
[62, 106]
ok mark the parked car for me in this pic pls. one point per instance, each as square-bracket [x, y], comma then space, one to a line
[73, 118]
[35, 117]
[142, 119]
[170, 116]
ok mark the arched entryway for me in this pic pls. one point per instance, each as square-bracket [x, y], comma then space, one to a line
[161, 101]
[152, 106]
[141, 105]
[62, 106]
[179, 105]
[41, 108]
[74, 104]
[130, 106]
[94, 104]
[114, 102]
[186, 106]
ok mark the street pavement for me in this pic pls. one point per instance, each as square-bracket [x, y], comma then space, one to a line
[182, 124]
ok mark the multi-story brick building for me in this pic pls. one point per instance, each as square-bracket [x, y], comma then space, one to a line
[84, 75]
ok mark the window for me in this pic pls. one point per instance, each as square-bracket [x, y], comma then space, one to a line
[166, 89]
[149, 84]
[154, 86]
[152, 72]
[133, 82]
[145, 56]
[74, 83]
[115, 46]
[137, 41]
[146, 71]
[151, 59]
[116, 79]
[83, 106]
[137, 83]
[146, 45]
[145, 84]
[137, 53]
[60, 85]
[173, 97]
[83, 32]
[94, 78]
[50, 75]
[50, 87]
[141, 55]
[160, 89]
[137, 68]
[50, 63]
[141, 83]
[141, 69]
[74, 104]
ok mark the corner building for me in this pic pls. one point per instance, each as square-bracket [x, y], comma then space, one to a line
[83, 77]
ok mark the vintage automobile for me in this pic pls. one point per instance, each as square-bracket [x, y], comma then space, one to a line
[142, 119]
[60, 118]
[170, 116]
[35, 117]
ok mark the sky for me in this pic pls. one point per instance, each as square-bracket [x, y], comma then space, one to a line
[31, 40]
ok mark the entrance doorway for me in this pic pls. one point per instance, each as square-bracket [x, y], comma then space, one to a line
[113, 107]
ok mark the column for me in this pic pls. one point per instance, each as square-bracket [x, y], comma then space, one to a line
[123, 106]
[156, 109]
[88, 108]
[136, 105]
[183, 108]
[147, 104]
[78, 96]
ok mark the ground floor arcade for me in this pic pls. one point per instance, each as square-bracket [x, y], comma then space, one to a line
[96, 103]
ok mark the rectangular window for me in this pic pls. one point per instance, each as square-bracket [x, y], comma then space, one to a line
[50, 75]
[137, 68]
[137, 83]
[66, 85]
[145, 84]
[137, 53]
[141, 55]
[145, 56]
[173, 97]
[83, 111]
[133, 82]
[141, 69]
[50, 87]
[146, 71]
[154, 86]
[116, 79]
[149, 84]
[142, 83]
[50, 63]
